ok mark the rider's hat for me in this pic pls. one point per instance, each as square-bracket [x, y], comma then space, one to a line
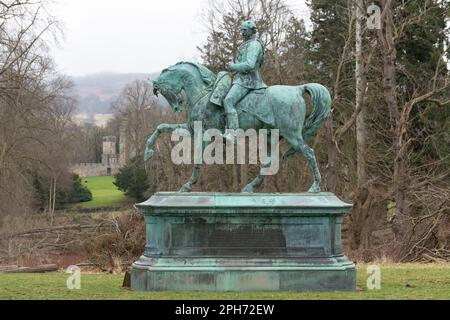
[248, 25]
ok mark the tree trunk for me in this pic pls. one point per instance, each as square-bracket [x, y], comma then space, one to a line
[332, 155]
[360, 92]
[360, 229]
[54, 197]
[390, 94]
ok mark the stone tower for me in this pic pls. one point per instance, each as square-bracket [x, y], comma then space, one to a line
[109, 156]
[123, 147]
[110, 162]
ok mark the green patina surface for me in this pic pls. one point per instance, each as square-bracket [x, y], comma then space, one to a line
[236, 201]
[277, 107]
[244, 242]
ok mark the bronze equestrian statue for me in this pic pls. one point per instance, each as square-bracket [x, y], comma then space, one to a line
[226, 103]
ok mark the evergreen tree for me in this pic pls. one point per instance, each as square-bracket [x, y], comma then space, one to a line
[132, 179]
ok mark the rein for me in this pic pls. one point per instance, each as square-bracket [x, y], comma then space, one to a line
[201, 95]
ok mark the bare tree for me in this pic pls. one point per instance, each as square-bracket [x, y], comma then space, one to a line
[400, 107]
[132, 107]
[35, 110]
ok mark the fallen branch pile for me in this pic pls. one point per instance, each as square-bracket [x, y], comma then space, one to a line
[110, 241]
[50, 230]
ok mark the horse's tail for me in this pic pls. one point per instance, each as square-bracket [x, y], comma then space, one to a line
[321, 101]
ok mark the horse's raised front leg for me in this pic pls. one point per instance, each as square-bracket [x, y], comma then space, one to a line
[162, 128]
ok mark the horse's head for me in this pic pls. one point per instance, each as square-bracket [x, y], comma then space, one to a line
[170, 85]
[184, 77]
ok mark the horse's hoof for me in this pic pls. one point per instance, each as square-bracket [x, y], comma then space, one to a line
[315, 188]
[186, 188]
[248, 189]
[149, 155]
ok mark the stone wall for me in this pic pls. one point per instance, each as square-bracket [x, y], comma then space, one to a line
[111, 162]
[85, 170]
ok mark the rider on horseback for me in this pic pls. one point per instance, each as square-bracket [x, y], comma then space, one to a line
[250, 59]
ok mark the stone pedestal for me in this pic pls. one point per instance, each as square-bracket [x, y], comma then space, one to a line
[243, 242]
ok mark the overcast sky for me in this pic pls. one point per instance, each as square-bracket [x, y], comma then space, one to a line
[130, 36]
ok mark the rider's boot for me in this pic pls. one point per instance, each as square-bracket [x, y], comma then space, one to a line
[233, 125]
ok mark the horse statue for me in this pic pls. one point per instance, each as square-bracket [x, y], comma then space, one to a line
[286, 103]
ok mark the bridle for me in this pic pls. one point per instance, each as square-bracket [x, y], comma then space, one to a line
[200, 96]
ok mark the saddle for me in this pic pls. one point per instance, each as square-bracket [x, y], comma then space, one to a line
[221, 88]
[257, 102]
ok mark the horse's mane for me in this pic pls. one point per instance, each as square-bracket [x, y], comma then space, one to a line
[208, 77]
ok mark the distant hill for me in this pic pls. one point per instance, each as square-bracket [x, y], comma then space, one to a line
[96, 92]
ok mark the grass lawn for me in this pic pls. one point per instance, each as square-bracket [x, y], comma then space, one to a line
[105, 193]
[407, 281]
